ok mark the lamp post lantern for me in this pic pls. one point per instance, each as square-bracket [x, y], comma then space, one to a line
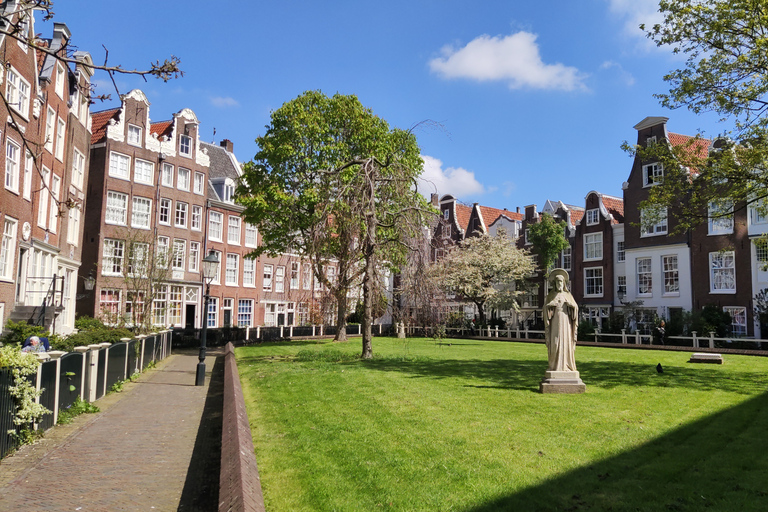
[210, 269]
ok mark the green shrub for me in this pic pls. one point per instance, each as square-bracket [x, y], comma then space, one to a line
[85, 338]
[586, 331]
[87, 323]
[20, 331]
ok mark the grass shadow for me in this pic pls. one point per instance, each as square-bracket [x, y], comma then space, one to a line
[716, 463]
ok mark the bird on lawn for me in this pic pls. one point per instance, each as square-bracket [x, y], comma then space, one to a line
[659, 368]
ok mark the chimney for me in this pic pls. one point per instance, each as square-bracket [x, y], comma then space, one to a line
[227, 144]
[517, 209]
[434, 199]
[61, 35]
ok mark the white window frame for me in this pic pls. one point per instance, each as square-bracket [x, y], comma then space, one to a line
[251, 235]
[657, 229]
[280, 279]
[295, 275]
[116, 211]
[183, 179]
[621, 254]
[164, 213]
[60, 80]
[134, 135]
[593, 277]
[112, 258]
[196, 218]
[42, 212]
[78, 169]
[232, 269]
[233, 230]
[670, 274]
[17, 92]
[593, 246]
[181, 214]
[593, 217]
[738, 320]
[53, 215]
[566, 258]
[644, 267]
[268, 274]
[12, 165]
[50, 129]
[249, 272]
[653, 174]
[141, 212]
[61, 130]
[199, 183]
[8, 247]
[73, 226]
[185, 146]
[179, 255]
[167, 175]
[29, 166]
[245, 313]
[194, 256]
[144, 172]
[119, 165]
[722, 272]
[215, 226]
[720, 217]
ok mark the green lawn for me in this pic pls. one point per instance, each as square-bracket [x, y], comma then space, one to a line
[461, 426]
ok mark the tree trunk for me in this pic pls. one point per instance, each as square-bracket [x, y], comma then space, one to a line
[481, 313]
[368, 304]
[341, 316]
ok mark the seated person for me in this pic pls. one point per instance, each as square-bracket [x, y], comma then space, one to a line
[36, 344]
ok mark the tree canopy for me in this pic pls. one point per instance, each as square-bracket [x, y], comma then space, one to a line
[548, 239]
[487, 270]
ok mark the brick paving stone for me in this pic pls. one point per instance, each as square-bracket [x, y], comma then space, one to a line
[137, 454]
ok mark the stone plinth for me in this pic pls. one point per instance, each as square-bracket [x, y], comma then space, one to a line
[704, 357]
[562, 383]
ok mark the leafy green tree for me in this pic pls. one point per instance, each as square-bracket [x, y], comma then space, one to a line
[336, 183]
[487, 270]
[548, 239]
[724, 42]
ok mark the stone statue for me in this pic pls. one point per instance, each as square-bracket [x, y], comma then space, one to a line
[561, 315]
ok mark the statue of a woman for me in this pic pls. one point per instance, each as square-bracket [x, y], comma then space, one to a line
[560, 323]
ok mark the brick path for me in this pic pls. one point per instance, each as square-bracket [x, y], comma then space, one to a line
[154, 446]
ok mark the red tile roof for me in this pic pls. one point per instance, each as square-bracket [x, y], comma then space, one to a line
[161, 128]
[491, 214]
[698, 148]
[615, 207]
[576, 216]
[99, 121]
[462, 215]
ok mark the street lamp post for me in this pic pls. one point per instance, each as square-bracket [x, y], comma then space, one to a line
[210, 269]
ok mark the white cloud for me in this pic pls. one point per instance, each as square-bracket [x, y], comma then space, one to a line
[624, 76]
[514, 59]
[635, 13]
[218, 101]
[456, 181]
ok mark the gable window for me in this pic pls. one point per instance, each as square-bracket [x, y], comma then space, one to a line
[164, 216]
[593, 217]
[653, 222]
[144, 172]
[722, 272]
[446, 214]
[117, 208]
[593, 246]
[134, 135]
[720, 214]
[644, 276]
[593, 282]
[185, 145]
[620, 253]
[61, 79]
[652, 174]
[17, 92]
[167, 175]
[671, 274]
[141, 212]
[215, 225]
[182, 180]
[650, 141]
[119, 165]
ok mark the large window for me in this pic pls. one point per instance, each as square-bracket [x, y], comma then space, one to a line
[175, 298]
[620, 252]
[593, 217]
[12, 165]
[117, 208]
[720, 215]
[8, 247]
[652, 174]
[17, 92]
[722, 268]
[233, 230]
[134, 135]
[232, 269]
[164, 217]
[78, 169]
[249, 272]
[181, 214]
[295, 275]
[160, 304]
[141, 212]
[61, 130]
[182, 179]
[215, 221]
[162, 252]
[199, 183]
[194, 256]
[109, 304]
[593, 282]
[213, 306]
[280, 279]
[653, 222]
[167, 175]
[179, 254]
[185, 145]
[644, 277]
[593, 246]
[119, 165]
[197, 218]
[267, 282]
[738, 320]
[245, 313]
[250, 235]
[671, 275]
[112, 257]
[144, 172]
[138, 258]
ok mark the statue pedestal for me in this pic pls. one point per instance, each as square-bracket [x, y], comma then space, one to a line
[562, 382]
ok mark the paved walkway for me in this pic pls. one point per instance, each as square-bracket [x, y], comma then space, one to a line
[154, 446]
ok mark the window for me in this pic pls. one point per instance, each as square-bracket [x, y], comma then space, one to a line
[179, 255]
[530, 297]
[29, 165]
[720, 215]
[593, 281]
[761, 254]
[303, 313]
[134, 135]
[17, 92]
[144, 172]
[109, 304]
[167, 175]
[593, 246]
[226, 309]
[232, 269]
[138, 259]
[738, 320]
[280, 279]
[50, 128]
[650, 141]
[671, 276]
[117, 208]
[722, 272]
[620, 252]
[199, 183]
[42, 212]
[73, 226]
[621, 288]
[213, 305]
[446, 214]
[217, 279]
[653, 222]
[185, 145]
[250, 235]
[112, 257]
[295, 275]
[194, 256]
[61, 79]
[141, 213]
[181, 214]
[447, 231]
[53, 216]
[306, 278]
[215, 221]
[61, 130]
[8, 247]
[162, 255]
[229, 193]
[566, 258]
[652, 174]
[182, 180]
[197, 217]
[134, 308]
[758, 212]
[267, 282]
[644, 276]
[233, 230]
[249, 272]
[12, 154]
[78, 168]
[593, 217]
[269, 315]
[244, 312]
[159, 304]
[119, 165]
[164, 217]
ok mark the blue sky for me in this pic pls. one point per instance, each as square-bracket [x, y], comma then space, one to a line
[530, 100]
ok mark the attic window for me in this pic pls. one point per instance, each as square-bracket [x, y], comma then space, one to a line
[652, 174]
[185, 145]
[446, 214]
[650, 141]
[592, 217]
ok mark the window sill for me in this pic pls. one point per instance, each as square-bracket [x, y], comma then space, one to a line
[722, 292]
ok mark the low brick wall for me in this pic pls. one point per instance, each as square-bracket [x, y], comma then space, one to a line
[239, 482]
